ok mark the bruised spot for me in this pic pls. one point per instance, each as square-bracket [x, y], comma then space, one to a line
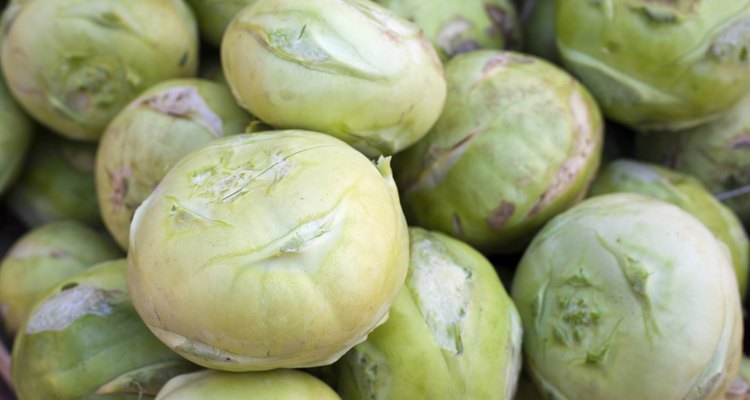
[740, 143]
[466, 46]
[120, 180]
[504, 23]
[501, 61]
[451, 37]
[186, 102]
[501, 215]
[738, 390]
[66, 307]
[458, 228]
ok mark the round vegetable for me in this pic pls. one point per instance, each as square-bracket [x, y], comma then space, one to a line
[215, 15]
[268, 250]
[452, 333]
[460, 26]
[85, 341]
[158, 128]
[685, 192]
[16, 131]
[43, 257]
[718, 154]
[276, 385]
[73, 64]
[658, 64]
[627, 297]
[57, 183]
[519, 141]
[349, 68]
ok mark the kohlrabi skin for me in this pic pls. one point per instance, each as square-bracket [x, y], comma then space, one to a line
[461, 26]
[348, 68]
[518, 142]
[658, 64]
[718, 154]
[56, 183]
[74, 64]
[268, 250]
[685, 192]
[43, 257]
[627, 297]
[84, 340]
[453, 332]
[158, 128]
[16, 132]
[280, 384]
[215, 15]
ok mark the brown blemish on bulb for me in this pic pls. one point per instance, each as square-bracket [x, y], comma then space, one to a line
[120, 179]
[501, 215]
[739, 143]
[503, 22]
[458, 228]
[186, 102]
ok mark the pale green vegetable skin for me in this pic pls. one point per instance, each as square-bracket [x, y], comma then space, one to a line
[685, 192]
[279, 384]
[718, 154]
[460, 26]
[658, 64]
[348, 68]
[84, 340]
[627, 297]
[56, 183]
[518, 142]
[74, 64]
[268, 250]
[215, 15]
[16, 132]
[158, 128]
[43, 257]
[453, 332]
